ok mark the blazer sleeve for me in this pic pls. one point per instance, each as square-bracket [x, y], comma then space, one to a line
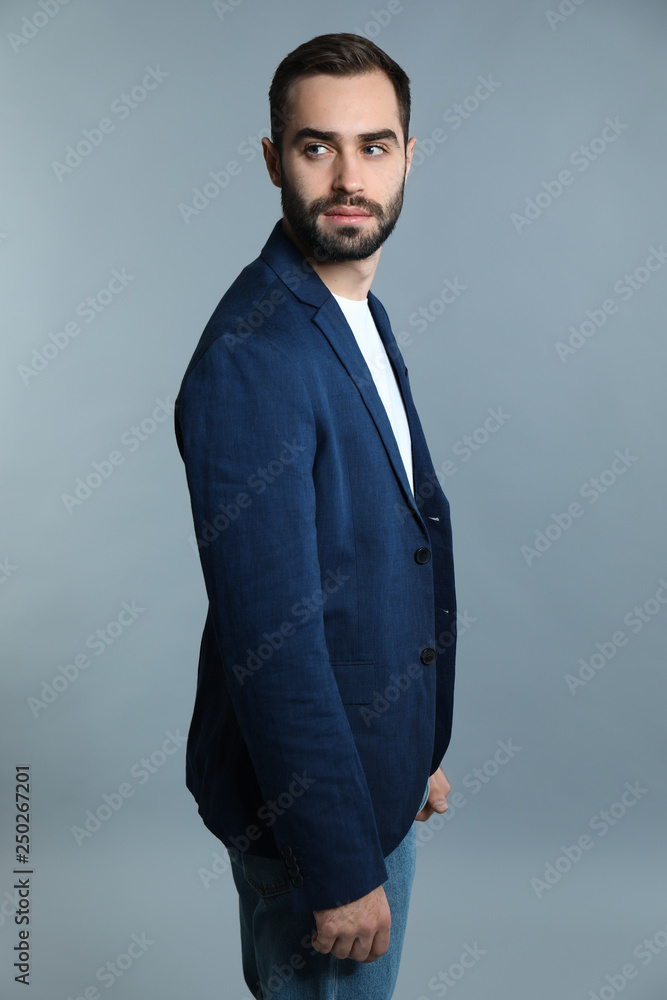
[248, 436]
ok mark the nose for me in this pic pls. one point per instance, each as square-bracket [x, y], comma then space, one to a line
[347, 174]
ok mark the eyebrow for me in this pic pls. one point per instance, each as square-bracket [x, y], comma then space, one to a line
[365, 137]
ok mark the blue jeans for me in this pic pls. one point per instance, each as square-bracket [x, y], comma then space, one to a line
[279, 961]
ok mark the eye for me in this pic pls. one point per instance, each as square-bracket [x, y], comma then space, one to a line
[381, 149]
[314, 145]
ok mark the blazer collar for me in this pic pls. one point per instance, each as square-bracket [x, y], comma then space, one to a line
[284, 257]
[290, 265]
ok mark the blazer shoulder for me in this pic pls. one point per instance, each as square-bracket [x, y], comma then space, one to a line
[246, 293]
[259, 331]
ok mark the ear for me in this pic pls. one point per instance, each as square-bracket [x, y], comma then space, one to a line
[408, 154]
[272, 161]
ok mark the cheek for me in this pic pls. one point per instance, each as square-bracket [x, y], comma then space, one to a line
[310, 183]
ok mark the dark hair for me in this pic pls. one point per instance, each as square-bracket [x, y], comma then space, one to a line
[338, 55]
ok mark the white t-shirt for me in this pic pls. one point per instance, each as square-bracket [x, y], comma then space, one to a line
[358, 316]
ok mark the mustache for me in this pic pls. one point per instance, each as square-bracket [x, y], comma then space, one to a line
[324, 204]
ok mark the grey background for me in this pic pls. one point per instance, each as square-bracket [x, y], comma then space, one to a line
[66, 574]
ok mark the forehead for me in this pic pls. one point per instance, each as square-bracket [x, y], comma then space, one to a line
[345, 104]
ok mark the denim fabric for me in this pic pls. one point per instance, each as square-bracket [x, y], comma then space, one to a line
[279, 962]
[423, 802]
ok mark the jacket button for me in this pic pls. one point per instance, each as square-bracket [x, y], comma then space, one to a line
[427, 655]
[297, 880]
[286, 851]
[422, 555]
[292, 867]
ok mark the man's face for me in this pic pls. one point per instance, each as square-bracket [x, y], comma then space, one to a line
[343, 150]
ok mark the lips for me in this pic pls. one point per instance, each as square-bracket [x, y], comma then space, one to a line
[347, 210]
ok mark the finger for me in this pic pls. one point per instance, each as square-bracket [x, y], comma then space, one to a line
[439, 795]
[444, 783]
[369, 951]
[441, 785]
[380, 944]
[322, 943]
[351, 948]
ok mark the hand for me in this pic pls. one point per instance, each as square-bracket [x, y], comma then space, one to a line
[438, 790]
[358, 930]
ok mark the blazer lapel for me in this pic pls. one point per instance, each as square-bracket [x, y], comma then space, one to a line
[292, 267]
[421, 457]
[335, 328]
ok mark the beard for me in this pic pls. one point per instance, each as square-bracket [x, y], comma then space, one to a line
[345, 242]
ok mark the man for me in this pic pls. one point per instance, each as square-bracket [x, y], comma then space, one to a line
[326, 672]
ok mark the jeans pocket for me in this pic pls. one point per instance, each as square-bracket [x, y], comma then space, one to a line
[267, 876]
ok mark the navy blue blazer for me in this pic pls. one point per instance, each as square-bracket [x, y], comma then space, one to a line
[326, 669]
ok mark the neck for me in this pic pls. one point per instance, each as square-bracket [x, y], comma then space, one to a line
[351, 279]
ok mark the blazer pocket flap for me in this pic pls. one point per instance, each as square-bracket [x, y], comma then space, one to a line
[356, 680]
